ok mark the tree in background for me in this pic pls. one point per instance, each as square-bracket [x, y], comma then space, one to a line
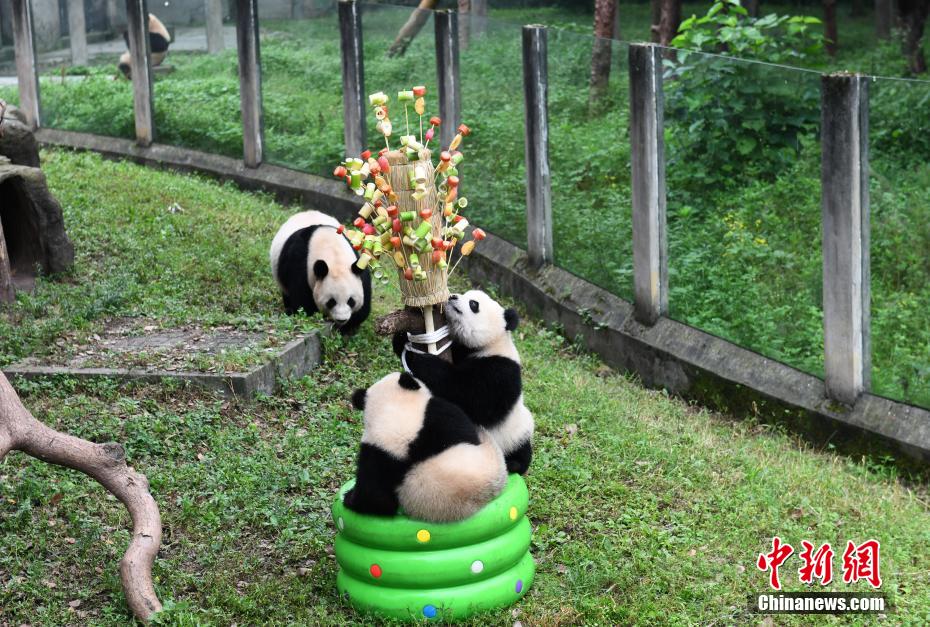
[884, 15]
[913, 17]
[411, 28]
[830, 35]
[605, 15]
[666, 17]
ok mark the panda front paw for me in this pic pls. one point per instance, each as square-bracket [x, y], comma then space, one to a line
[399, 342]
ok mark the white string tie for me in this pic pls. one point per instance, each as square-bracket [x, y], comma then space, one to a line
[424, 338]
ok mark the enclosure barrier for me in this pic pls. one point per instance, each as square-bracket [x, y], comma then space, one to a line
[639, 337]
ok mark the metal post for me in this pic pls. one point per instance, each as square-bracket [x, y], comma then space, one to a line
[353, 77]
[213, 12]
[538, 178]
[250, 82]
[77, 32]
[647, 160]
[447, 74]
[26, 71]
[845, 198]
[137, 23]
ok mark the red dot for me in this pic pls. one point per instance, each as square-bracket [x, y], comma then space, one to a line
[375, 571]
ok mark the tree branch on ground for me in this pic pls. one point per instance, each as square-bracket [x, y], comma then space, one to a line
[106, 463]
[411, 28]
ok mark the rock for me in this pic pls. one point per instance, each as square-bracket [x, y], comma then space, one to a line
[32, 225]
[16, 139]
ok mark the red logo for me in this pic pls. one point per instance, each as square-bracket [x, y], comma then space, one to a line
[861, 562]
[771, 561]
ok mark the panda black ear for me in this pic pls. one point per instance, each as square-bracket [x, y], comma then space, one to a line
[320, 269]
[407, 382]
[356, 269]
[358, 399]
[511, 319]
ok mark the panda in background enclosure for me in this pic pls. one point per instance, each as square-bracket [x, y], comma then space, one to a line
[484, 378]
[316, 270]
[422, 453]
[158, 46]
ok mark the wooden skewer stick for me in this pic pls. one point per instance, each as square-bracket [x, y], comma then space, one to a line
[429, 326]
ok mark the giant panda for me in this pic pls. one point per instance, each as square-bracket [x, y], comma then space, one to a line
[159, 39]
[423, 454]
[316, 269]
[484, 378]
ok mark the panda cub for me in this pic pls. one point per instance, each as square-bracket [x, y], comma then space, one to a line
[484, 378]
[315, 267]
[422, 453]
[159, 40]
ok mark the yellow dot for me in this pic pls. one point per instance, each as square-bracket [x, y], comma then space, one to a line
[423, 535]
[513, 513]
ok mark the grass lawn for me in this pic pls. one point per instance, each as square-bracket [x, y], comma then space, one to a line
[645, 509]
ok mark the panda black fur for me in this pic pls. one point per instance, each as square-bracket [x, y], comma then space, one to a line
[484, 378]
[315, 267]
[423, 454]
[159, 40]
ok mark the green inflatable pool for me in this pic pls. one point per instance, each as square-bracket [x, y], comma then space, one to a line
[398, 567]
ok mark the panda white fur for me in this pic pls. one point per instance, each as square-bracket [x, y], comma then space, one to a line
[484, 378]
[159, 39]
[423, 454]
[315, 267]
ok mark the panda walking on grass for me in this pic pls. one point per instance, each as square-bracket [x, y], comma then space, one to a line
[316, 269]
[484, 378]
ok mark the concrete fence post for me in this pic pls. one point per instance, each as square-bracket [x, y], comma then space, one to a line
[26, 70]
[213, 14]
[137, 24]
[538, 177]
[77, 32]
[846, 234]
[647, 159]
[447, 74]
[353, 77]
[250, 82]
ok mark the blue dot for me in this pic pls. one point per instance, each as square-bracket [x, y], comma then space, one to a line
[519, 586]
[429, 611]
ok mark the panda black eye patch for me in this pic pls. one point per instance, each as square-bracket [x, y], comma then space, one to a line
[331, 303]
[351, 302]
[474, 305]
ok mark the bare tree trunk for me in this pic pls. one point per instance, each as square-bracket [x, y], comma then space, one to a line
[656, 9]
[6, 275]
[751, 6]
[913, 15]
[671, 20]
[464, 23]
[604, 15]
[829, 26]
[884, 15]
[616, 34]
[20, 431]
[411, 28]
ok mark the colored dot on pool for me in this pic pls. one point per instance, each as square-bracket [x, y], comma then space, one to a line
[519, 586]
[513, 513]
[429, 611]
[341, 523]
[375, 571]
[423, 536]
[477, 566]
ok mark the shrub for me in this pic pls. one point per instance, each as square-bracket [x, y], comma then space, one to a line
[728, 116]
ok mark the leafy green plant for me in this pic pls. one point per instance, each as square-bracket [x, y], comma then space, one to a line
[728, 116]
